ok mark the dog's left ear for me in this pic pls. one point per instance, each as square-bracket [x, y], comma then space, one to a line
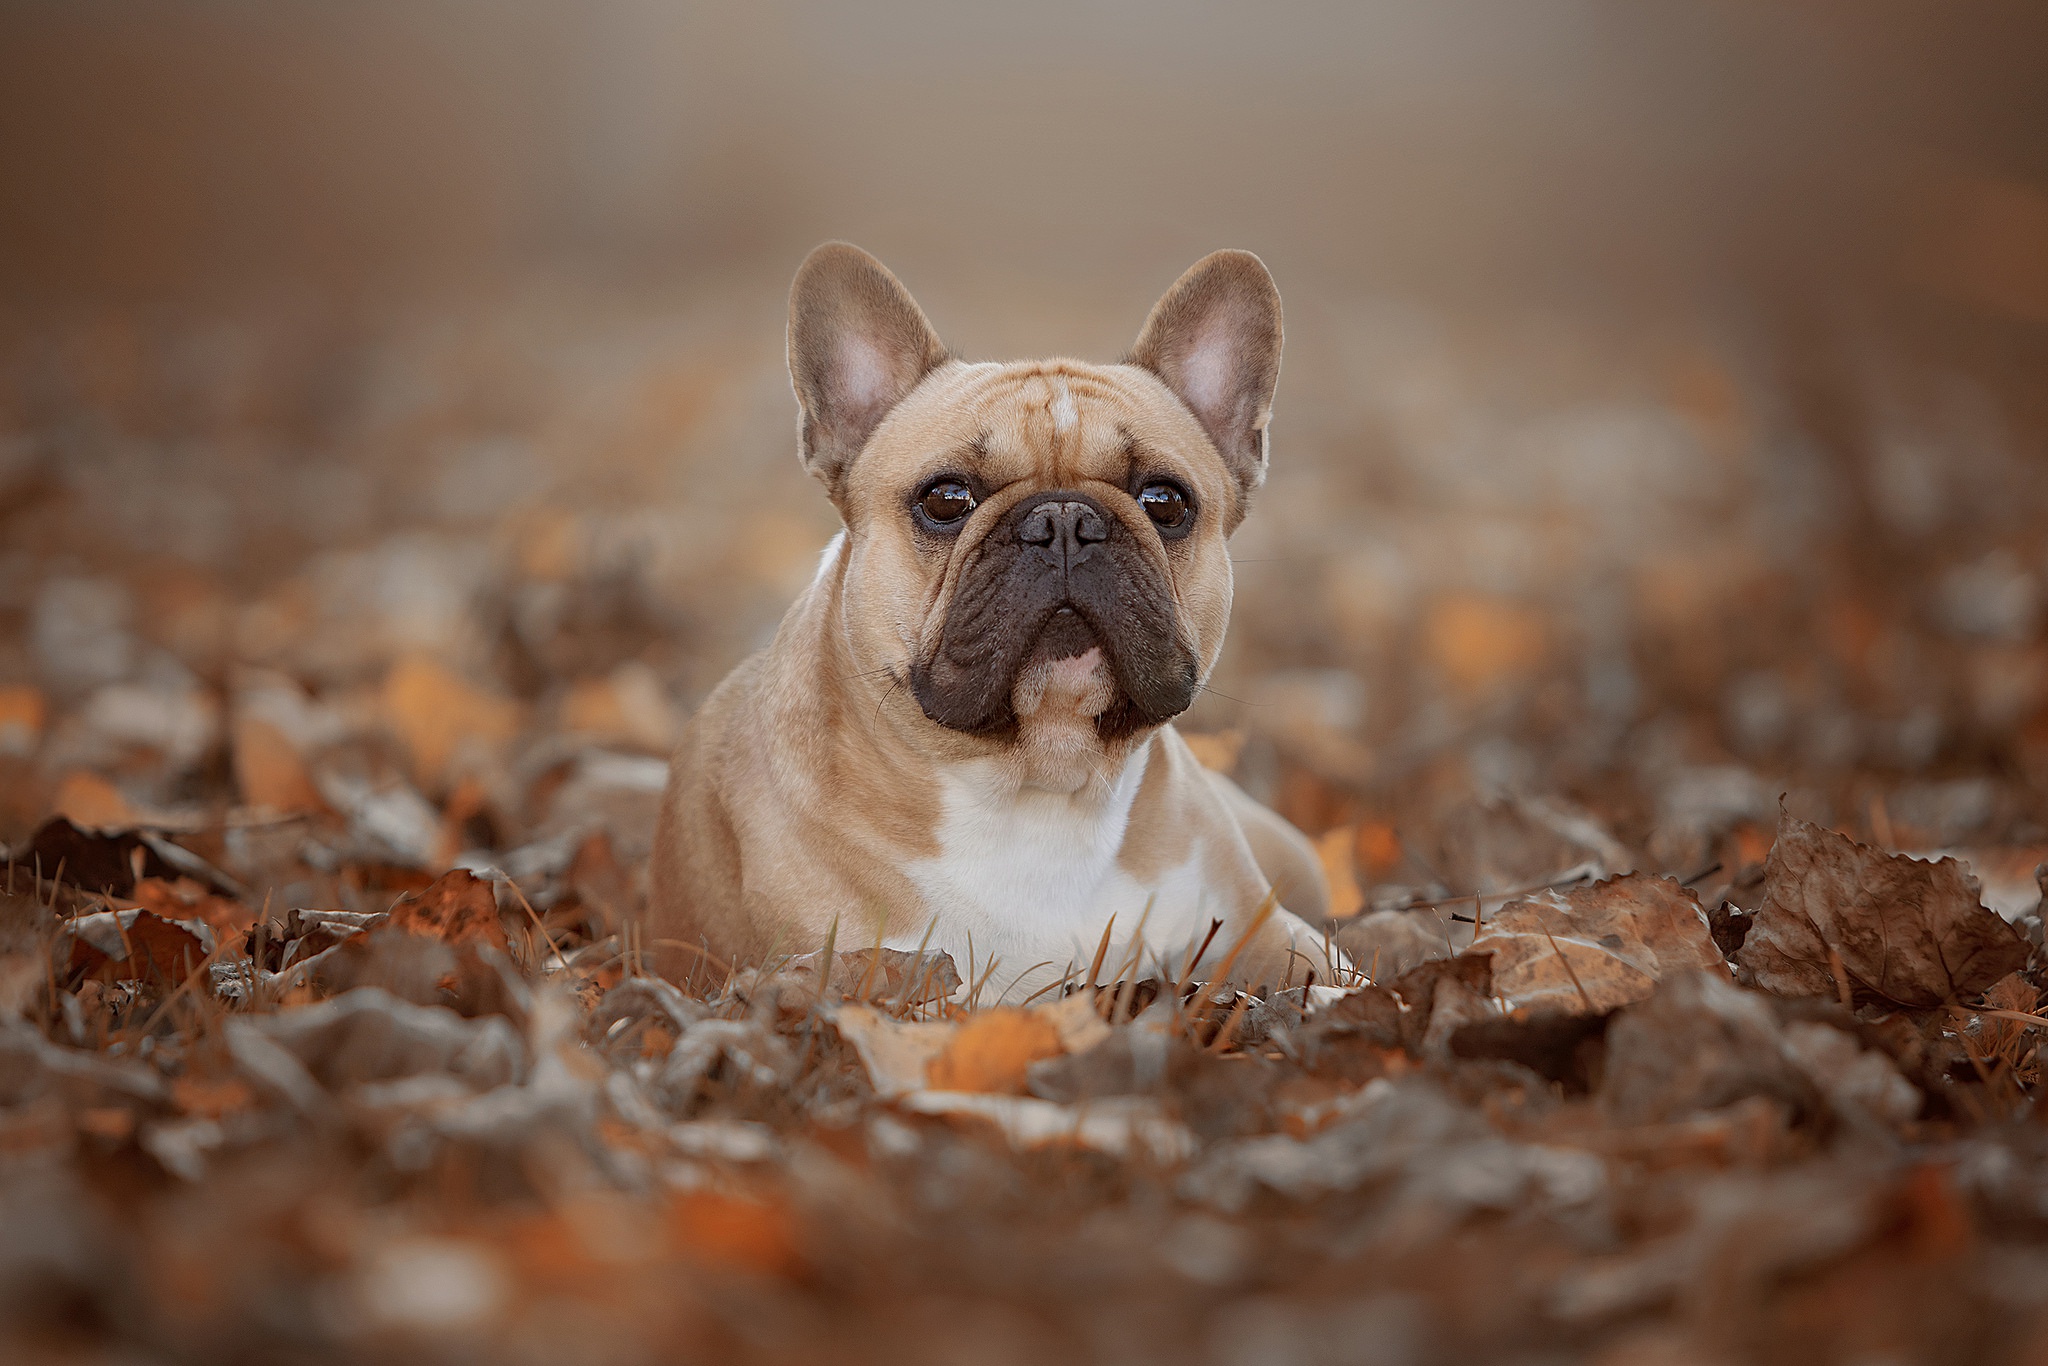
[858, 344]
[1214, 338]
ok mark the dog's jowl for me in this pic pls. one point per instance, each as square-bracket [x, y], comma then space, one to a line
[964, 725]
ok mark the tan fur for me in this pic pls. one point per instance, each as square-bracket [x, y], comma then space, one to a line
[812, 784]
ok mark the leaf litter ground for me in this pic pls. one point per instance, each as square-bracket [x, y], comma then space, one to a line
[324, 1034]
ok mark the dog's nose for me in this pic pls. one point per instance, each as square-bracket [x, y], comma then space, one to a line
[1063, 526]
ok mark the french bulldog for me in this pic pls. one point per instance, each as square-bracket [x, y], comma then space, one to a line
[962, 733]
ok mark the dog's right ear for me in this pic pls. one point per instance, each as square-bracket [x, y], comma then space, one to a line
[858, 343]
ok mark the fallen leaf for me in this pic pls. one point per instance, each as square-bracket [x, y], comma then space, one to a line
[992, 1051]
[434, 711]
[133, 946]
[1566, 1048]
[184, 899]
[1440, 996]
[1385, 944]
[211, 1096]
[1698, 1043]
[88, 800]
[1117, 1125]
[112, 860]
[1589, 949]
[458, 908]
[895, 1052]
[727, 1231]
[1334, 849]
[268, 770]
[23, 714]
[1477, 642]
[1079, 1024]
[1903, 932]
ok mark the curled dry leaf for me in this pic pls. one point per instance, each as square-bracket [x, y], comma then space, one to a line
[458, 908]
[1589, 949]
[133, 945]
[1900, 931]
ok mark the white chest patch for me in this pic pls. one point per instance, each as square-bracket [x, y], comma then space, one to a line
[1028, 879]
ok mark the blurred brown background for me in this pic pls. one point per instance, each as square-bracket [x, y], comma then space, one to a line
[1661, 427]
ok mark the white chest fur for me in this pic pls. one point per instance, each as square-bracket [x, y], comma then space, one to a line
[1031, 877]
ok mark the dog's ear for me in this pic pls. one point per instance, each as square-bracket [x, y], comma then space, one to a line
[1214, 338]
[857, 344]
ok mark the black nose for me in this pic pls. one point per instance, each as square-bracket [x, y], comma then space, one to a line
[1064, 525]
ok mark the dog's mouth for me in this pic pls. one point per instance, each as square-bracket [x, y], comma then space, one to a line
[1065, 635]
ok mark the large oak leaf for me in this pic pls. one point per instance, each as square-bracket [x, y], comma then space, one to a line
[1901, 931]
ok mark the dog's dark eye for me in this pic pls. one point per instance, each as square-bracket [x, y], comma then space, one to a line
[946, 502]
[1166, 505]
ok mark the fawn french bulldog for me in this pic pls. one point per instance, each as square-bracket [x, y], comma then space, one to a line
[963, 726]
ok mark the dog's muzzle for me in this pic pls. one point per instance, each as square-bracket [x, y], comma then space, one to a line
[1060, 574]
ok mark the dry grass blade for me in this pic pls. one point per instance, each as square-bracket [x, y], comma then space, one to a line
[1259, 918]
[1101, 952]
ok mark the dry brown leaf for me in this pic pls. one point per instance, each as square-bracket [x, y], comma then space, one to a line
[458, 908]
[87, 799]
[211, 1096]
[1441, 995]
[992, 1051]
[145, 946]
[184, 899]
[268, 769]
[1334, 849]
[1477, 642]
[1901, 931]
[23, 713]
[434, 712]
[2003, 1037]
[727, 1231]
[1592, 948]
[895, 1052]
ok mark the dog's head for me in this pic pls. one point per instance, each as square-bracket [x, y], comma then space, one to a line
[1036, 551]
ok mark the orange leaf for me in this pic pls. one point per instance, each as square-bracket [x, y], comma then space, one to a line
[1335, 850]
[211, 1097]
[23, 713]
[86, 799]
[459, 908]
[435, 712]
[724, 1230]
[187, 900]
[151, 947]
[269, 771]
[992, 1051]
[1478, 641]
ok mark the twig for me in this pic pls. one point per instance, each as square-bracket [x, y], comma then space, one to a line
[1567, 962]
[1555, 884]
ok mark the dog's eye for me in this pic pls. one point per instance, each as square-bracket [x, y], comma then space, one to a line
[946, 502]
[1166, 505]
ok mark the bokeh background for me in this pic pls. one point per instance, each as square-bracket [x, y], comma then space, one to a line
[393, 420]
